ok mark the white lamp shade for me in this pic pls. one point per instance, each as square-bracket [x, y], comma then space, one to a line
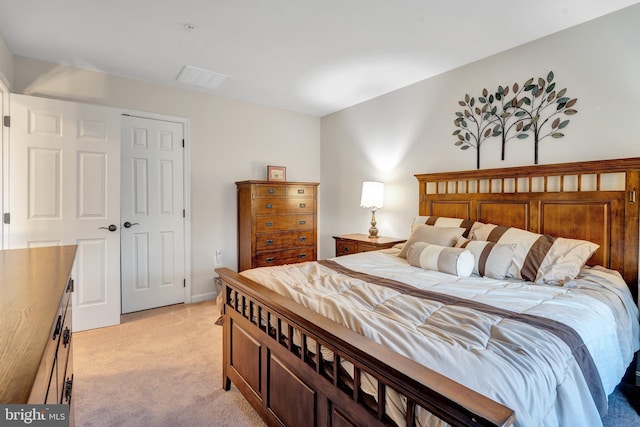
[372, 195]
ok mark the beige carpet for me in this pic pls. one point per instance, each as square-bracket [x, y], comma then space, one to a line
[160, 367]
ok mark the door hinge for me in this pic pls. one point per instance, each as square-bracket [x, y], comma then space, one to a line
[184, 283]
[632, 196]
[6, 218]
[6, 120]
[183, 143]
[184, 213]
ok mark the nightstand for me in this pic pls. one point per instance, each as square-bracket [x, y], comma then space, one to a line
[353, 243]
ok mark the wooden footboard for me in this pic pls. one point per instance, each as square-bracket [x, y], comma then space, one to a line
[286, 360]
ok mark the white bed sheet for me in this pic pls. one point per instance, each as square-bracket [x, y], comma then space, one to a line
[529, 370]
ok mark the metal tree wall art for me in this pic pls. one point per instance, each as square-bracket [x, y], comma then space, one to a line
[513, 112]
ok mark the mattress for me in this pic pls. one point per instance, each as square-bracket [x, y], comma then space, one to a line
[530, 369]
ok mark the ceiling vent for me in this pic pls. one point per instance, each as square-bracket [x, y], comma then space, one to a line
[200, 77]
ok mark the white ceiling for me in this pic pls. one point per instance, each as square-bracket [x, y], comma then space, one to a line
[311, 56]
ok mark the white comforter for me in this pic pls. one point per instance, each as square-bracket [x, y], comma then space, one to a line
[529, 370]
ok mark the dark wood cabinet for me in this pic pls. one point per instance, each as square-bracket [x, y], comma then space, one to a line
[347, 244]
[277, 223]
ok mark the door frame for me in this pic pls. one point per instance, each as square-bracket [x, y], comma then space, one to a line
[186, 171]
[4, 162]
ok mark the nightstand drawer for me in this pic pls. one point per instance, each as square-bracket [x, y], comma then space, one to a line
[354, 243]
[345, 248]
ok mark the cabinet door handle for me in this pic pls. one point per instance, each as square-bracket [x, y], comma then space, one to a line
[56, 331]
[303, 222]
[303, 205]
[68, 385]
[269, 206]
[268, 223]
[66, 337]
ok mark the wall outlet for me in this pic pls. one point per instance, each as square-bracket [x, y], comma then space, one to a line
[218, 257]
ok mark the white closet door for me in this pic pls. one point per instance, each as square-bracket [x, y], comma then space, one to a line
[64, 188]
[153, 255]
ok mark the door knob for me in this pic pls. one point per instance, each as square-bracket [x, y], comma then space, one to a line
[129, 224]
[112, 227]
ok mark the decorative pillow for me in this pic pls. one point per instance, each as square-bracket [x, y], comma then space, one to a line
[441, 236]
[540, 258]
[490, 259]
[456, 261]
[442, 221]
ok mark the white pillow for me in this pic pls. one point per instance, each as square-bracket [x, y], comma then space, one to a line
[540, 258]
[441, 236]
[445, 259]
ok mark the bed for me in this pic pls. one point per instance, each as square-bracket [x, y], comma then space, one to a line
[296, 366]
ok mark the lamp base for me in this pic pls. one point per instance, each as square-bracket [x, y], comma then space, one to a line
[373, 231]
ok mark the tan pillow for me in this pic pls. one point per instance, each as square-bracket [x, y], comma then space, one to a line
[441, 236]
[443, 221]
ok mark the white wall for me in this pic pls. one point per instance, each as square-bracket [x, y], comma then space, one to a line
[409, 131]
[229, 141]
[6, 63]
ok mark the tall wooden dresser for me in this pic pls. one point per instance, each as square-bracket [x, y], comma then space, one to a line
[277, 223]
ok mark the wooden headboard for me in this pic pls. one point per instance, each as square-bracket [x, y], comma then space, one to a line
[594, 200]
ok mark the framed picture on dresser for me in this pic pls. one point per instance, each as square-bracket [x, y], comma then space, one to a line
[276, 173]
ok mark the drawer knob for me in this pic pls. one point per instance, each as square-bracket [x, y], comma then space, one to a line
[66, 337]
[68, 385]
[302, 256]
[303, 222]
[271, 191]
[303, 205]
[300, 190]
[268, 224]
[269, 259]
[269, 206]
[269, 242]
[56, 331]
[303, 239]
[345, 248]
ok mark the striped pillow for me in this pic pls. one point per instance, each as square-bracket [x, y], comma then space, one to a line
[441, 221]
[540, 258]
[491, 259]
[456, 261]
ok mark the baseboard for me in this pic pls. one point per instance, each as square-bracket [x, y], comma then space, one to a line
[204, 297]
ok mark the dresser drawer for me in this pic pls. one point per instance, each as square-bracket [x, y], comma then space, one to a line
[271, 190]
[301, 190]
[285, 206]
[271, 241]
[291, 256]
[265, 224]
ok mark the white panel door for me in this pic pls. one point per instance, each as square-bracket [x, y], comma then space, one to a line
[64, 188]
[152, 247]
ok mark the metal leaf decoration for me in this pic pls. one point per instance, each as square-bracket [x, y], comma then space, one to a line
[516, 111]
